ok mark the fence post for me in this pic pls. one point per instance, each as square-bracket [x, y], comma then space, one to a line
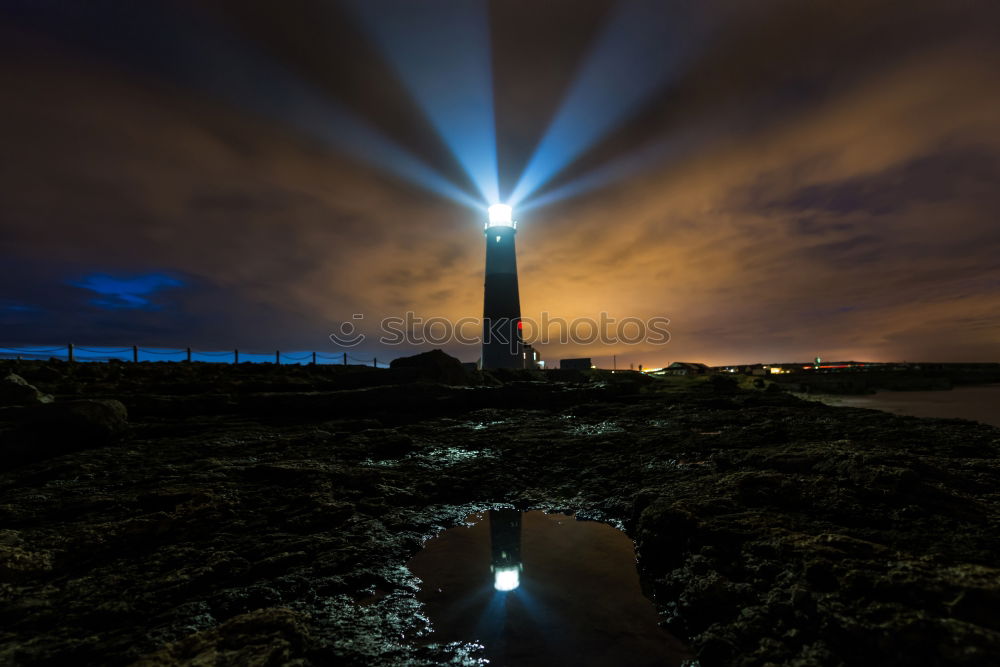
[189, 355]
[236, 356]
[69, 352]
[374, 362]
[314, 358]
[277, 357]
[345, 358]
[135, 354]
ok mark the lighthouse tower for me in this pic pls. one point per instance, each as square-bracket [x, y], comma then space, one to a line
[502, 345]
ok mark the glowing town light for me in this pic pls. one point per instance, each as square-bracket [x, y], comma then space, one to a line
[501, 214]
[506, 578]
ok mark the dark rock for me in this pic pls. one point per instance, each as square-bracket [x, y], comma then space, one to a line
[14, 390]
[390, 444]
[435, 366]
[54, 429]
[569, 375]
[45, 374]
[665, 529]
[92, 422]
[723, 384]
[271, 636]
[263, 515]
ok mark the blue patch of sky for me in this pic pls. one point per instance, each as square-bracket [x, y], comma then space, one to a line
[126, 292]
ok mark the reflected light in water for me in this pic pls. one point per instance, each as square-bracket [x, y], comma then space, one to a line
[506, 578]
[505, 545]
[538, 590]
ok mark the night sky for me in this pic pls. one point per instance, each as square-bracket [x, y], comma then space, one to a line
[781, 178]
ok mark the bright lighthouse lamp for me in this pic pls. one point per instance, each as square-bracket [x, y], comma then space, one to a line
[501, 215]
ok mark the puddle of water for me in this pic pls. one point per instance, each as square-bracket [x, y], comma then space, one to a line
[978, 403]
[542, 589]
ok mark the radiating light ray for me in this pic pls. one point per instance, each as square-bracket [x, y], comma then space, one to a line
[494, 615]
[351, 134]
[188, 49]
[657, 154]
[441, 51]
[644, 45]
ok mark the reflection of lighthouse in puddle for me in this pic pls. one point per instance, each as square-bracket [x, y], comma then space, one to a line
[505, 547]
[542, 589]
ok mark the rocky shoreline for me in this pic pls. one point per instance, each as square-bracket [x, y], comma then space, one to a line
[263, 515]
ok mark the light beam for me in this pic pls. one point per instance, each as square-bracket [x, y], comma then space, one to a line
[657, 154]
[189, 48]
[441, 51]
[645, 43]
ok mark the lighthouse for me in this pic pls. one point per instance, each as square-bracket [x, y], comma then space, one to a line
[502, 344]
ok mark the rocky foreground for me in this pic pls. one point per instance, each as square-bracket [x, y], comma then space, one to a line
[157, 514]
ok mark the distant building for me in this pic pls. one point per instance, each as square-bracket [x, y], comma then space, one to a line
[687, 368]
[745, 369]
[581, 364]
[530, 357]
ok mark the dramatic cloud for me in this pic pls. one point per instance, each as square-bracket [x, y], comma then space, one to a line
[818, 179]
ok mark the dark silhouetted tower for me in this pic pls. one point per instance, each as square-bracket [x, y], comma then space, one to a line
[502, 346]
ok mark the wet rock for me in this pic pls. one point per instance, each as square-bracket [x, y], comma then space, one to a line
[273, 636]
[664, 529]
[978, 606]
[265, 514]
[17, 558]
[767, 488]
[388, 444]
[15, 390]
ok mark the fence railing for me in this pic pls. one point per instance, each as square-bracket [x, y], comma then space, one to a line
[71, 352]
